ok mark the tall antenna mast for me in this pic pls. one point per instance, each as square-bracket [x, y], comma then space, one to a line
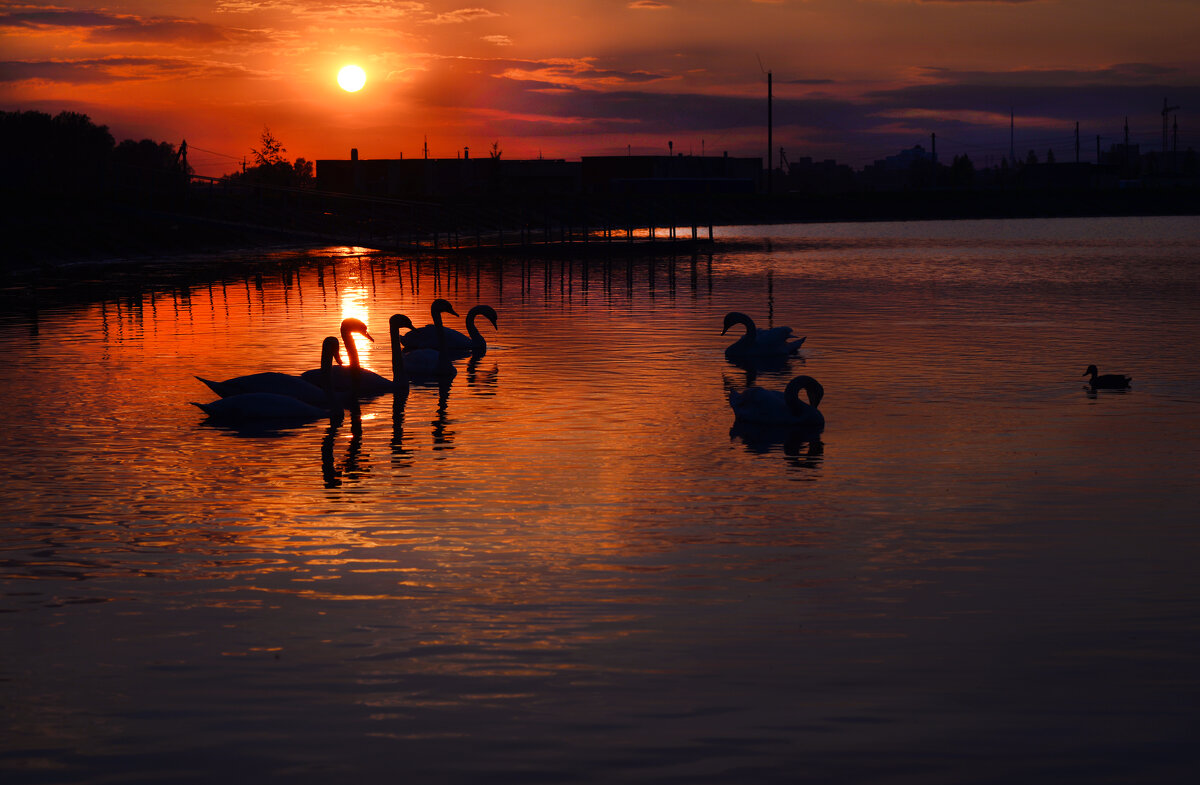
[1012, 147]
[770, 126]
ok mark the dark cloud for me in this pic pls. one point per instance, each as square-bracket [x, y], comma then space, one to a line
[102, 27]
[1121, 73]
[1067, 99]
[105, 70]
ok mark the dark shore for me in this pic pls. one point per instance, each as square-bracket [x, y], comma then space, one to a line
[60, 248]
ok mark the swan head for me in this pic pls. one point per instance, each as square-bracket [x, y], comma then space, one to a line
[736, 317]
[400, 322]
[1091, 371]
[812, 388]
[352, 325]
[442, 306]
[486, 311]
[331, 352]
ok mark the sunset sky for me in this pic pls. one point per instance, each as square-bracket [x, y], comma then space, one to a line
[854, 80]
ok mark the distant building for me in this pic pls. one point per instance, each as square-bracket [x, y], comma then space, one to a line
[665, 174]
[447, 178]
[467, 178]
[828, 176]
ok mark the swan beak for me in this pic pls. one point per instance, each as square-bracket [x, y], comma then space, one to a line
[369, 338]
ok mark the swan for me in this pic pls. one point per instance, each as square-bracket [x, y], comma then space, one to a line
[432, 363]
[271, 382]
[369, 383]
[456, 343]
[259, 406]
[758, 342]
[1108, 381]
[760, 405]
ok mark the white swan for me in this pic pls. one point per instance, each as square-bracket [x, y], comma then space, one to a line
[456, 343]
[760, 405]
[1108, 381]
[369, 383]
[772, 342]
[274, 406]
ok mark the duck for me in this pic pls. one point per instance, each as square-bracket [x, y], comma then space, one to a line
[255, 407]
[760, 405]
[1108, 381]
[456, 343]
[369, 383]
[776, 341]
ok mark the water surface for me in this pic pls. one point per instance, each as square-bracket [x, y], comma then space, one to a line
[572, 566]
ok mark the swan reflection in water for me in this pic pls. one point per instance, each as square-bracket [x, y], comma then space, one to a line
[443, 438]
[482, 381]
[351, 467]
[801, 444]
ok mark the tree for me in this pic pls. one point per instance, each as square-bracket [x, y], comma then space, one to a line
[272, 151]
[1049, 156]
[1031, 159]
[271, 167]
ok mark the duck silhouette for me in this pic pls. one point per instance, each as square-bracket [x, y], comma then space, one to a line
[1108, 381]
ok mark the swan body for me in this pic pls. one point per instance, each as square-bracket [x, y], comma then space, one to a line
[1107, 381]
[772, 342]
[772, 407]
[456, 343]
[369, 382]
[275, 406]
[270, 382]
[261, 406]
[433, 363]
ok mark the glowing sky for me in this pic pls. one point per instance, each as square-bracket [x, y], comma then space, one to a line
[854, 80]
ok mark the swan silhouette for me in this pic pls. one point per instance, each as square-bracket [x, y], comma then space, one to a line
[368, 382]
[773, 342]
[456, 343]
[275, 382]
[1108, 381]
[760, 405]
[424, 364]
[274, 406]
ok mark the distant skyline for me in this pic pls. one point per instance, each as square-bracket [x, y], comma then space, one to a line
[854, 80]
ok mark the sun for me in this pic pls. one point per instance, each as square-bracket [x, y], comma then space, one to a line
[352, 78]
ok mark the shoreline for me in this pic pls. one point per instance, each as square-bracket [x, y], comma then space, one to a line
[69, 255]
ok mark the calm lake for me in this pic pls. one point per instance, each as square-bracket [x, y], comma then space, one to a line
[572, 567]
